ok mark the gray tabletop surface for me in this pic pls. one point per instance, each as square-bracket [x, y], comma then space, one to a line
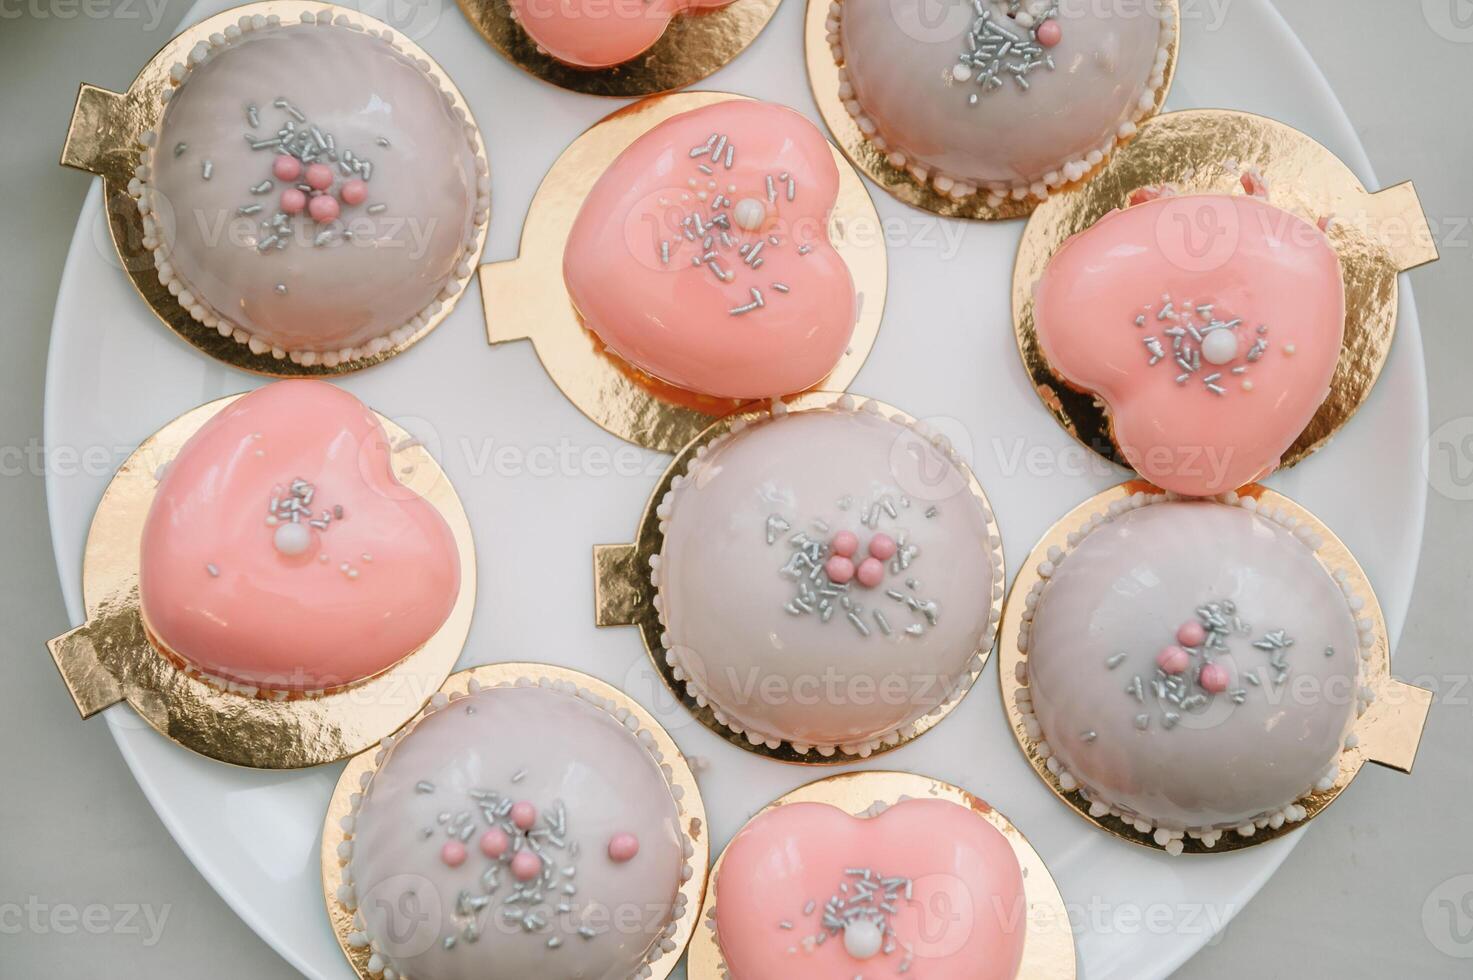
[91, 884]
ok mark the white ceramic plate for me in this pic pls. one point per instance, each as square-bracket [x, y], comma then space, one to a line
[542, 485]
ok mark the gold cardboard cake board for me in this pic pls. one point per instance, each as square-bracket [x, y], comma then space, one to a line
[109, 659]
[526, 298]
[625, 596]
[677, 771]
[823, 79]
[694, 45]
[1387, 734]
[103, 138]
[1376, 236]
[1048, 944]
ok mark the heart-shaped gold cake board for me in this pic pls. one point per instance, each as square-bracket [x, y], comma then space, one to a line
[1387, 732]
[823, 79]
[336, 827]
[526, 298]
[1048, 945]
[625, 596]
[109, 659]
[104, 138]
[1376, 235]
[694, 45]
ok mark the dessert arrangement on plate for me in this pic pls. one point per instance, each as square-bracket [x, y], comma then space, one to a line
[1191, 661]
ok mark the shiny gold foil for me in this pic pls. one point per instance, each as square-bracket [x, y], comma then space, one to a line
[1376, 235]
[823, 79]
[696, 44]
[624, 595]
[109, 659]
[692, 808]
[102, 139]
[1048, 945]
[1388, 733]
[526, 298]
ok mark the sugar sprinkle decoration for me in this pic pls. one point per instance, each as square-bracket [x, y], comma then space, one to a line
[859, 915]
[1197, 336]
[1009, 47]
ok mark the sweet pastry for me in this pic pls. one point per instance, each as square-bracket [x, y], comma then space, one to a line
[923, 888]
[311, 190]
[281, 551]
[601, 33]
[1209, 324]
[702, 255]
[514, 832]
[1192, 667]
[827, 578]
[1008, 98]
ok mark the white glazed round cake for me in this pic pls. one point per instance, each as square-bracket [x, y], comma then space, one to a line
[513, 832]
[1012, 98]
[311, 190]
[827, 578]
[1192, 667]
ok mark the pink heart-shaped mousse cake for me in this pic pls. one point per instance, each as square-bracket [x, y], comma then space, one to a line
[281, 551]
[702, 254]
[925, 888]
[1209, 324]
[600, 33]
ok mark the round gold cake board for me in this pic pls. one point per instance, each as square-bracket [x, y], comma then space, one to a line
[823, 80]
[1376, 236]
[526, 298]
[109, 659]
[103, 138]
[694, 45]
[1048, 945]
[624, 595]
[677, 771]
[1388, 733]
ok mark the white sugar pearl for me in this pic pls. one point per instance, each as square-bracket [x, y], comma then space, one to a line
[293, 539]
[749, 213]
[1219, 347]
[961, 73]
[862, 938]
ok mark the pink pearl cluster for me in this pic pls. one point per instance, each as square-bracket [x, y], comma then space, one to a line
[494, 843]
[321, 205]
[870, 571]
[1173, 659]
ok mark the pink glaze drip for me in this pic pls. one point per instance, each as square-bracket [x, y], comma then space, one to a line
[600, 33]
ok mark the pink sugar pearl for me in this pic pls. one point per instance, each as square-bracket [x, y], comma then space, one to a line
[319, 176]
[286, 168]
[354, 191]
[453, 853]
[871, 573]
[1191, 634]
[882, 546]
[323, 208]
[293, 201]
[623, 847]
[1173, 660]
[526, 866]
[1050, 33]
[524, 815]
[1214, 678]
[845, 543]
[839, 569]
[494, 843]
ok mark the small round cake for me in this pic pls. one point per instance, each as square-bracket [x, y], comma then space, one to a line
[1209, 324]
[515, 832]
[282, 552]
[601, 33]
[924, 888]
[311, 190]
[828, 578]
[1192, 667]
[1010, 98]
[702, 254]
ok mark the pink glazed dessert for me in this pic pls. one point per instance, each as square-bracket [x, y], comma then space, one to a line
[1209, 324]
[281, 551]
[702, 255]
[601, 33]
[806, 890]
